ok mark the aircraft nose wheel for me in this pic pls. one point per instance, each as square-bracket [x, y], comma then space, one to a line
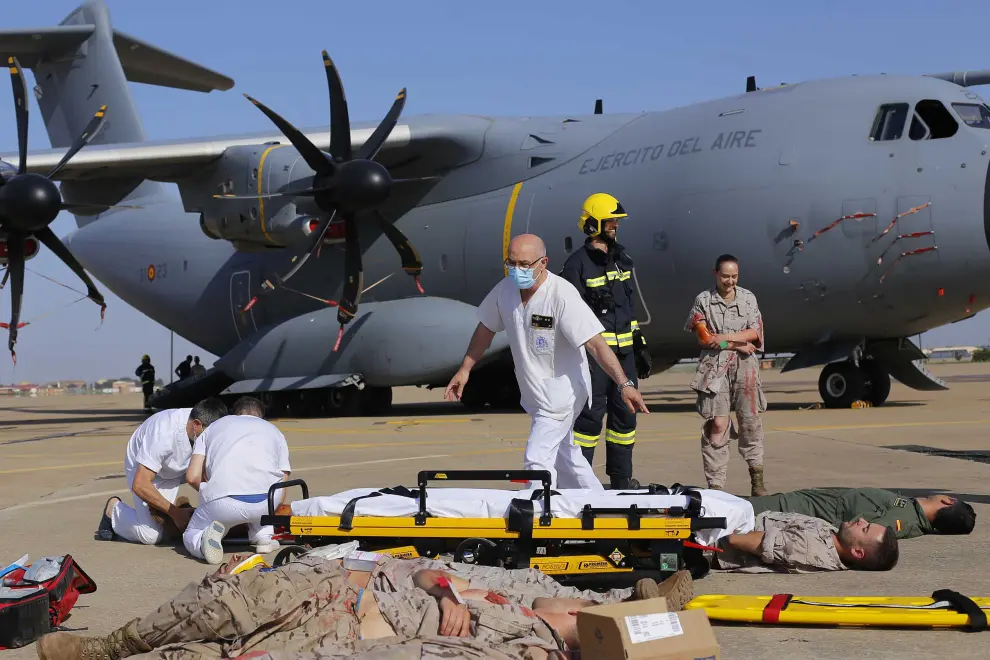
[843, 383]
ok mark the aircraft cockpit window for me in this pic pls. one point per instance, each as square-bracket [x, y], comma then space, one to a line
[7, 171]
[889, 122]
[932, 121]
[975, 115]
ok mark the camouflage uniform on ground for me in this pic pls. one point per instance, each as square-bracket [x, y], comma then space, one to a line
[309, 605]
[425, 648]
[727, 379]
[792, 543]
[520, 586]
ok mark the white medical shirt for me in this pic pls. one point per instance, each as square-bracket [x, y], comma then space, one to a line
[546, 337]
[161, 445]
[245, 455]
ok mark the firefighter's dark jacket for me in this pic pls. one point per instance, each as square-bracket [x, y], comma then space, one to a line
[605, 282]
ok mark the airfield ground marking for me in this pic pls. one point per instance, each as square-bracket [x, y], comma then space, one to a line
[46, 468]
[73, 498]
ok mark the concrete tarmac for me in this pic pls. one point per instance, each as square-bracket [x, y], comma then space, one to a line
[62, 457]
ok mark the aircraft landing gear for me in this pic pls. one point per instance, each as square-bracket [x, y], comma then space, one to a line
[494, 386]
[347, 401]
[843, 383]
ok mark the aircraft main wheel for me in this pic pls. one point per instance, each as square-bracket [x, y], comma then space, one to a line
[475, 394]
[343, 401]
[841, 384]
[877, 382]
[376, 401]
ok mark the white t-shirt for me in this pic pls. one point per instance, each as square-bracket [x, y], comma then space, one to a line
[245, 455]
[546, 337]
[161, 445]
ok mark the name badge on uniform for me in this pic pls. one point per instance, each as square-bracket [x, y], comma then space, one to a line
[542, 334]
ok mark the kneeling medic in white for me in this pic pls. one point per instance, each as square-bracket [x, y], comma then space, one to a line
[232, 467]
[155, 464]
[548, 326]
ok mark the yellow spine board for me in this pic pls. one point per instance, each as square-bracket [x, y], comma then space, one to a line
[490, 528]
[749, 609]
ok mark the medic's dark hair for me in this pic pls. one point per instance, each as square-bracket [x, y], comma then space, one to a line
[723, 258]
[208, 411]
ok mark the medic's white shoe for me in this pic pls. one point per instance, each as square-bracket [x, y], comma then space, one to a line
[211, 544]
[265, 547]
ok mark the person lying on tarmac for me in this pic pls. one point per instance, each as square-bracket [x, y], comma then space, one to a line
[796, 543]
[312, 604]
[908, 517]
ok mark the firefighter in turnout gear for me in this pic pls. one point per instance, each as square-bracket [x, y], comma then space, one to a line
[601, 270]
[146, 372]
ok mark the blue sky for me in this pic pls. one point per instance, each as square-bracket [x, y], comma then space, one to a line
[510, 58]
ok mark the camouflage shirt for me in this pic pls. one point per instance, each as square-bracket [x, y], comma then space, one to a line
[721, 317]
[792, 543]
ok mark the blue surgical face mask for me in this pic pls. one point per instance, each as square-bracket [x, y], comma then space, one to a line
[523, 277]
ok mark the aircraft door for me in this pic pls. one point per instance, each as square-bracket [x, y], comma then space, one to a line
[240, 295]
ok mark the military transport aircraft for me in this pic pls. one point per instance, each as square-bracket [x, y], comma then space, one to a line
[858, 207]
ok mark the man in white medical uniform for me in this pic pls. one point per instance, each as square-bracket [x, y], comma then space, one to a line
[232, 467]
[155, 464]
[548, 326]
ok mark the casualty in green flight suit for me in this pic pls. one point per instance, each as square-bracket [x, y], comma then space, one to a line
[907, 516]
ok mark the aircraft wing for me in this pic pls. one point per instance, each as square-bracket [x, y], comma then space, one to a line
[432, 142]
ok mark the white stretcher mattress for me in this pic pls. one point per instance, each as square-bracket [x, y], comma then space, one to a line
[494, 503]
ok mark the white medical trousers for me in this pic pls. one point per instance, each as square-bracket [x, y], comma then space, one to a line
[551, 447]
[229, 512]
[136, 524]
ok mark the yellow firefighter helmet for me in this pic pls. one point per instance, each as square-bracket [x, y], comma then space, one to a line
[599, 207]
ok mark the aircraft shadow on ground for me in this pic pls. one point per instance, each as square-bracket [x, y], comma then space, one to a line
[125, 417]
[50, 416]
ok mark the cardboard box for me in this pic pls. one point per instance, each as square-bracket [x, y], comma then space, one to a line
[644, 630]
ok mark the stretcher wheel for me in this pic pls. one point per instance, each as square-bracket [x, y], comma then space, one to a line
[287, 554]
[473, 551]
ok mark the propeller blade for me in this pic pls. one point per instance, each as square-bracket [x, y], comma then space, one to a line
[340, 122]
[370, 149]
[15, 266]
[52, 242]
[314, 245]
[353, 273]
[21, 111]
[92, 128]
[315, 158]
[411, 262]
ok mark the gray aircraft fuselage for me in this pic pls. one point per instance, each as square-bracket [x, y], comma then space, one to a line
[731, 175]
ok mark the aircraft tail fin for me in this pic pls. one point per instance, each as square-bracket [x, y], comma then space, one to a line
[84, 63]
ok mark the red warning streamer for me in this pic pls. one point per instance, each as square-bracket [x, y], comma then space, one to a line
[854, 216]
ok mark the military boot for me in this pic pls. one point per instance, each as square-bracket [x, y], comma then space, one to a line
[756, 478]
[678, 590]
[121, 643]
[624, 483]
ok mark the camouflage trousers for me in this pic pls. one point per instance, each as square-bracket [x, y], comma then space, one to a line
[304, 604]
[744, 394]
[424, 648]
[521, 586]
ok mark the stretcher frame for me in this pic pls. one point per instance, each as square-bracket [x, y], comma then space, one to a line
[605, 547]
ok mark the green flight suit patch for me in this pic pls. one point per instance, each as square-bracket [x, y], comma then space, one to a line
[900, 502]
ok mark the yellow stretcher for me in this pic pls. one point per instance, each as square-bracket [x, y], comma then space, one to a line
[944, 609]
[603, 548]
